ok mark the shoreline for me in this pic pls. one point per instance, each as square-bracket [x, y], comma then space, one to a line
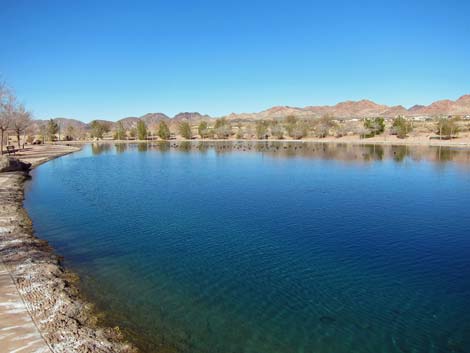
[65, 320]
[351, 140]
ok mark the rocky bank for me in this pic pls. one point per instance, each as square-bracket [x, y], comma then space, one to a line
[66, 322]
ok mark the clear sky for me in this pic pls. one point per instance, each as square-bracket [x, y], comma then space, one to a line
[112, 59]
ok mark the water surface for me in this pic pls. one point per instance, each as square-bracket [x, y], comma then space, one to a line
[267, 248]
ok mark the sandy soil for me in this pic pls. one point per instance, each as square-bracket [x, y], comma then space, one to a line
[40, 307]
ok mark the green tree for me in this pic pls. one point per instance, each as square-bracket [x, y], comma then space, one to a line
[185, 130]
[401, 127]
[141, 130]
[220, 122]
[120, 133]
[375, 126]
[203, 129]
[52, 129]
[98, 129]
[163, 131]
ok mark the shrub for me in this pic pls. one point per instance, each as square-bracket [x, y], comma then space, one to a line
[375, 126]
[447, 128]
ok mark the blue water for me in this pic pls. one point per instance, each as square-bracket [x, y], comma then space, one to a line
[266, 248]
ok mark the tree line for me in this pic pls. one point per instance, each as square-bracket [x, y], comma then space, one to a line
[289, 127]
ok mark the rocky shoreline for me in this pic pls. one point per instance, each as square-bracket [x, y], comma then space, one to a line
[65, 320]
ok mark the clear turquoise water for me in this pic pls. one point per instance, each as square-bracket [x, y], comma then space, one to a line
[267, 248]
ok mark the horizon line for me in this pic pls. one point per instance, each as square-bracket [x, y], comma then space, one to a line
[254, 112]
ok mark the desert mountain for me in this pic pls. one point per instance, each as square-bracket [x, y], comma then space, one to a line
[362, 109]
[191, 117]
[347, 109]
[151, 119]
[63, 123]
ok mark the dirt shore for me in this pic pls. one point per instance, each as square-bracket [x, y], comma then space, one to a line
[40, 307]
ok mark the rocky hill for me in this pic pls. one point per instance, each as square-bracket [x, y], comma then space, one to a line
[347, 109]
[361, 109]
[64, 123]
[191, 117]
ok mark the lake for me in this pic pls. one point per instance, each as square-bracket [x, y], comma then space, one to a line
[266, 247]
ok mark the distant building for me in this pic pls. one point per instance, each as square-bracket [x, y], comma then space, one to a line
[420, 118]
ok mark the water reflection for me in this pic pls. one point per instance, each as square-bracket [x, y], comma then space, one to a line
[399, 153]
[203, 147]
[162, 146]
[121, 147]
[326, 151]
[446, 154]
[142, 147]
[99, 148]
[185, 146]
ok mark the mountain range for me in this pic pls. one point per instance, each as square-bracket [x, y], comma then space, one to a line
[344, 110]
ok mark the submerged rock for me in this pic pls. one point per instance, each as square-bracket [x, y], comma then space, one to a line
[327, 320]
[11, 164]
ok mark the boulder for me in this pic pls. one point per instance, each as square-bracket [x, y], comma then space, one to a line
[11, 164]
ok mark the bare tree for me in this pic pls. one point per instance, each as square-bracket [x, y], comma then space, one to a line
[324, 125]
[7, 104]
[21, 121]
[345, 128]
[277, 131]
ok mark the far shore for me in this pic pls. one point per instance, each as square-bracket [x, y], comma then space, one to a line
[422, 140]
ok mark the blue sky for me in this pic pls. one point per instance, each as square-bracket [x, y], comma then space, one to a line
[112, 59]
